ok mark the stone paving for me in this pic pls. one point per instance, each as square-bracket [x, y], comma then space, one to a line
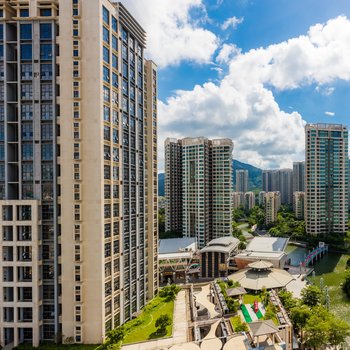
[296, 286]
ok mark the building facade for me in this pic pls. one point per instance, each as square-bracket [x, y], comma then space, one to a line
[173, 185]
[205, 175]
[298, 176]
[299, 204]
[327, 179]
[279, 180]
[242, 181]
[249, 200]
[79, 191]
[272, 206]
[237, 199]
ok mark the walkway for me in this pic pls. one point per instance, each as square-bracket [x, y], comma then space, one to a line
[180, 329]
[296, 286]
[202, 298]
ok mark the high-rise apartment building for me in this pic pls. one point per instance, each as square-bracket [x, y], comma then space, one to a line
[249, 200]
[261, 198]
[298, 176]
[78, 179]
[242, 181]
[279, 180]
[299, 204]
[327, 179]
[206, 185]
[173, 185]
[272, 206]
[237, 199]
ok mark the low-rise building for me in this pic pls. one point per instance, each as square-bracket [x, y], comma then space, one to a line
[271, 249]
[216, 257]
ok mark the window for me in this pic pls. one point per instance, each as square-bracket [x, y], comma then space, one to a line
[46, 71]
[125, 70]
[26, 91]
[47, 151]
[106, 35]
[45, 12]
[115, 80]
[24, 13]
[124, 35]
[47, 171]
[107, 172]
[115, 117]
[26, 32]
[46, 131]
[115, 136]
[26, 71]
[114, 61]
[106, 113]
[27, 132]
[27, 191]
[46, 91]
[45, 51]
[106, 94]
[114, 24]
[45, 31]
[106, 133]
[27, 111]
[105, 74]
[105, 15]
[27, 151]
[27, 172]
[26, 51]
[114, 43]
[105, 54]
[46, 111]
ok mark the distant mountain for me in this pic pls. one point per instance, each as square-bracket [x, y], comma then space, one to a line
[254, 175]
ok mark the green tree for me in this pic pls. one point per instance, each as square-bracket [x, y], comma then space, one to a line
[299, 316]
[316, 332]
[311, 295]
[169, 292]
[162, 322]
[346, 284]
[287, 299]
[339, 330]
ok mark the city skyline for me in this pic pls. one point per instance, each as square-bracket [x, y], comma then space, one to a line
[210, 90]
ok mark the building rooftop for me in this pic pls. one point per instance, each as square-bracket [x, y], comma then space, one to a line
[265, 327]
[221, 245]
[177, 245]
[267, 244]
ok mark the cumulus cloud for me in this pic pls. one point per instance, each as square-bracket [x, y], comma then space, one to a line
[174, 34]
[324, 90]
[330, 114]
[242, 106]
[232, 22]
[227, 52]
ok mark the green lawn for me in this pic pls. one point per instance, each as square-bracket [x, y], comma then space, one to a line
[249, 298]
[245, 313]
[332, 271]
[143, 327]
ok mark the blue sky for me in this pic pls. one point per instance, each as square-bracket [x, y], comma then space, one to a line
[258, 79]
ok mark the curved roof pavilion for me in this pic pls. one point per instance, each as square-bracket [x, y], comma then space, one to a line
[261, 274]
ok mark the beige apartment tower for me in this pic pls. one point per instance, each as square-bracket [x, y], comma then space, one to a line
[198, 187]
[272, 206]
[327, 179]
[79, 192]
[299, 204]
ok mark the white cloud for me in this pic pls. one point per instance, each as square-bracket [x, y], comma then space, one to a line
[173, 34]
[241, 106]
[330, 114]
[227, 52]
[232, 22]
[324, 90]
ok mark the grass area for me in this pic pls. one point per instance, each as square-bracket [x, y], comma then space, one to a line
[52, 346]
[249, 298]
[332, 269]
[143, 327]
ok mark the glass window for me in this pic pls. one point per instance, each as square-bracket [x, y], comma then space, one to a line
[47, 151]
[114, 61]
[26, 51]
[2, 172]
[105, 15]
[2, 132]
[26, 32]
[46, 31]
[125, 52]
[2, 51]
[124, 35]
[27, 131]
[125, 70]
[115, 136]
[46, 111]
[45, 51]
[105, 54]
[106, 133]
[46, 71]
[106, 94]
[106, 35]
[27, 112]
[27, 191]
[24, 13]
[26, 71]
[1, 32]
[115, 80]
[46, 132]
[27, 151]
[114, 24]
[106, 113]
[26, 91]
[46, 91]
[27, 172]
[2, 112]
[114, 43]
[45, 12]
[47, 171]
[2, 151]
[105, 74]
[125, 87]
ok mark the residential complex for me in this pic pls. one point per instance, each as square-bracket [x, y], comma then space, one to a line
[327, 179]
[299, 204]
[237, 199]
[242, 181]
[279, 180]
[205, 175]
[249, 200]
[78, 170]
[272, 206]
[298, 176]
